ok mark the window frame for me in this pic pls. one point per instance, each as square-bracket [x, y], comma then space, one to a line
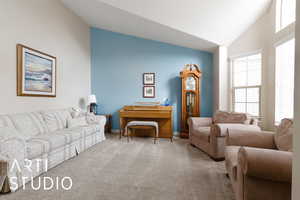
[279, 17]
[246, 102]
[233, 87]
[279, 43]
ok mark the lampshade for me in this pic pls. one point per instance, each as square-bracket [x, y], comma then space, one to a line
[92, 99]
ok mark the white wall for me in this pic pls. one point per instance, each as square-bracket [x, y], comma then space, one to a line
[216, 80]
[48, 26]
[261, 37]
[296, 160]
[221, 79]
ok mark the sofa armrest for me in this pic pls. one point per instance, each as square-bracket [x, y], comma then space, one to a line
[101, 119]
[4, 186]
[267, 164]
[13, 148]
[258, 139]
[199, 121]
[220, 130]
[95, 119]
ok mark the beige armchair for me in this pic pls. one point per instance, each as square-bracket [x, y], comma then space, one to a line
[208, 134]
[259, 163]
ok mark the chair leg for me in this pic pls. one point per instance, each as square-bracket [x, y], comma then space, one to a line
[171, 139]
[133, 131]
[128, 131]
[155, 137]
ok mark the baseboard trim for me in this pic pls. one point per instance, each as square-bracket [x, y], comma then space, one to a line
[115, 130]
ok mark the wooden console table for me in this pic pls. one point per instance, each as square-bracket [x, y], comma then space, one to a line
[161, 114]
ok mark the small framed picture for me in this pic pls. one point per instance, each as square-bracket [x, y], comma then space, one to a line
[149, 78]
[149, 92]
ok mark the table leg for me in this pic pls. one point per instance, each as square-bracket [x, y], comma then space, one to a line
[121, 127]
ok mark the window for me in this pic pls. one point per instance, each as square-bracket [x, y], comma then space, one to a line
[285, 13]
[247, 84]
[285, 66]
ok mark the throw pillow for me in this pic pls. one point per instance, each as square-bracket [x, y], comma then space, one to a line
[284, 135]
[77, 112]
[75, 122]
[231, 117]
[91, 118]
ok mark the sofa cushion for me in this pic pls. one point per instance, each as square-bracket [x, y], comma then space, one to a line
[5, 121]
[284, 135]
[231, 160]
[28, 124]
[53, 141]
[39, 120]
[39, 145]
[231, 117]
[56, 119]
[202, 133]
[76, 122]
[36, 148]
[10, 132]
[89, 130]
[73, 134]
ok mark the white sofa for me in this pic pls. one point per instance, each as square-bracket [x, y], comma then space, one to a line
[43, 136]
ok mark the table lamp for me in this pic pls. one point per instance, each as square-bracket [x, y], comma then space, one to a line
[92, 101]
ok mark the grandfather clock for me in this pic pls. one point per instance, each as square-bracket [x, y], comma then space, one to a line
[190, 96]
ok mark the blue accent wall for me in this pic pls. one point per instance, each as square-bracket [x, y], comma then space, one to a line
[119, 61]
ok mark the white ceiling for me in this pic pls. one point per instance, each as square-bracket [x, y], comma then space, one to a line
[198, 24]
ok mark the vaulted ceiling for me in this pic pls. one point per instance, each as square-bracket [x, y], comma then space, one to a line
[198, 24]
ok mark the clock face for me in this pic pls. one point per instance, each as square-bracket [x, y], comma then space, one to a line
[190, 83]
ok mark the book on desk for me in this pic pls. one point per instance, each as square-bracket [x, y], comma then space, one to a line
[161, 114]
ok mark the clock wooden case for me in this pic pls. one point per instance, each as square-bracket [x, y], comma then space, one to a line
[190, 95]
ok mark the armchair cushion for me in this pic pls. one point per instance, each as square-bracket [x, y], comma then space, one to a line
[258, 139]
[266, 164]
[220, 130]
[231, 117]
[284, 135]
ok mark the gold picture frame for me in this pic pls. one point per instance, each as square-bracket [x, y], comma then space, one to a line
[36, 73]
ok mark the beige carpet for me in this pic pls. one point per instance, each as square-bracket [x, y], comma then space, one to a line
[139, 170]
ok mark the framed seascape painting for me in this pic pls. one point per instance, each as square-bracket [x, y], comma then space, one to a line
[149, 78]
[36, 73]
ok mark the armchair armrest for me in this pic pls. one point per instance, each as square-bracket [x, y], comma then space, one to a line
[266, 164]
[258, 139]
[199, 121]
[220, 130]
